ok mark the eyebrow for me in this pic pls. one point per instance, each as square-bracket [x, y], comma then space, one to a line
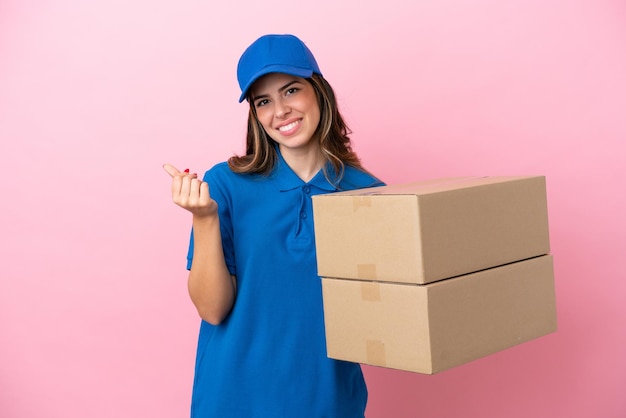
[283, 88]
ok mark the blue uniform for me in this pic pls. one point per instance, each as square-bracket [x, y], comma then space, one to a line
[268, 358]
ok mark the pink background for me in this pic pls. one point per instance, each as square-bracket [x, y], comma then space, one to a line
[95, 319]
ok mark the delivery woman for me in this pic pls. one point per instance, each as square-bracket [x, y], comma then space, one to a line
[252, 266]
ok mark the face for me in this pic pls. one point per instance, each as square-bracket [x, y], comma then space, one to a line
[287, 108]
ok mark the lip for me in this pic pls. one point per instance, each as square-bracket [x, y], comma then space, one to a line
[297, 122]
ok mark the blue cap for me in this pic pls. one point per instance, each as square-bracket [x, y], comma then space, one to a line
[274, 54]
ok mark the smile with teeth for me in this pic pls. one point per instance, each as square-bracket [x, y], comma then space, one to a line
[288, 127]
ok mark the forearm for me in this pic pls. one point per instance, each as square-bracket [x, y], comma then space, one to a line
[211, 286]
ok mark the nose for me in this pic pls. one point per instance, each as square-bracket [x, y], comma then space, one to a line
[282, 109]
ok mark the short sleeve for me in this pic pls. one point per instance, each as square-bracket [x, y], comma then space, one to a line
[219, 191]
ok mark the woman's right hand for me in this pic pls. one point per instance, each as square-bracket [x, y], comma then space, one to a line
[190, 193]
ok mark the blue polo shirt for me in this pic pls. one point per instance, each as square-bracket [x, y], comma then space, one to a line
[268, 358]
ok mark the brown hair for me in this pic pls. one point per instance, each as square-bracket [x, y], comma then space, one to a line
[332, 131]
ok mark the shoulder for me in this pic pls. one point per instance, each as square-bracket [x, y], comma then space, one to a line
[221, 173]
[353, 178]
[219, 169]
[220, 176]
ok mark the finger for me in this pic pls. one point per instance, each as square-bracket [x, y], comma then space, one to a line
[204, 192]
[177, 184]
[194, 190]
[171, 170]
[185, 188]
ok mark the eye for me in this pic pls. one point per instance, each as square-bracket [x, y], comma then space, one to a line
[291, 90]
[261, 102]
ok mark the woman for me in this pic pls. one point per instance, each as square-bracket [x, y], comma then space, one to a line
[253, 277]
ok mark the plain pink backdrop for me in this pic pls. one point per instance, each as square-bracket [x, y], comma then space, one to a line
[95, 319]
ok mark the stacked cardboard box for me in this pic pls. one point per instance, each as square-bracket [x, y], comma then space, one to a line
[430, 275]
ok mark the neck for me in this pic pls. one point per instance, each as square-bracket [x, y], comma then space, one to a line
[305, 163]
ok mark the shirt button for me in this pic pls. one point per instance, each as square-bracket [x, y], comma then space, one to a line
[306, 189]
[302, 215]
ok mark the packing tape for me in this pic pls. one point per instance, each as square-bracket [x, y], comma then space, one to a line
[361, 201]
[370, 291]
[366, 271]
[375, 353]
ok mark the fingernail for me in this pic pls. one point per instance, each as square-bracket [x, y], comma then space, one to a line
[186, 170]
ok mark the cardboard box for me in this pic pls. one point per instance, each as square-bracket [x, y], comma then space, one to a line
[433, 327]
[427, 231]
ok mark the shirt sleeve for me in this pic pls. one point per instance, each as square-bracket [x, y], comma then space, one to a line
[219, 191]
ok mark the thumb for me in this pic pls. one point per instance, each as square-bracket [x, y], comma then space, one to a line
[171, 170]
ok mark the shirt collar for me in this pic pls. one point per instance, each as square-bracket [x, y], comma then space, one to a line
[287, 179]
